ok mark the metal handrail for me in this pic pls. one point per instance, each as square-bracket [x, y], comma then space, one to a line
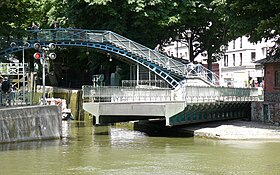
[12, 68]
[196, 70]
[102, 36]
[146, 83]
[191, 94]
[115, 94]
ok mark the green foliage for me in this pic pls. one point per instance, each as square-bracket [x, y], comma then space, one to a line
[256, 19]
[13, 15]
[209, 25]
[149, 22]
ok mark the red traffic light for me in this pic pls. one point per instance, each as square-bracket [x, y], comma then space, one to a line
[37, 55]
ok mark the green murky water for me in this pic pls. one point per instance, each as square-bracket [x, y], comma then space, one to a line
[126, 152]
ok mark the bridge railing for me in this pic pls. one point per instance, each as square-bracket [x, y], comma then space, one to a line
[101, 36]
[15, 98]
[12, 68]
[195, 94]
[186, 70]
[81, 36]
[65, 34]
[145, 83]
[191, 94]
[124, 94]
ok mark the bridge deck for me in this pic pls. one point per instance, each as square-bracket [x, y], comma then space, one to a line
[118, 112]
[111, 104]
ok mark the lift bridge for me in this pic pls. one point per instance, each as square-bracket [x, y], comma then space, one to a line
[193, 94]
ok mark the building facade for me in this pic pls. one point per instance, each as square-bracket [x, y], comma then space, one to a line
[238, 67]
[179, 49]
[268, 111]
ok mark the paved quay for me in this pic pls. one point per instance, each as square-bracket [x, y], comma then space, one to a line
[236, 130]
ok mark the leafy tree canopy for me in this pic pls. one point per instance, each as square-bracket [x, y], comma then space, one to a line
[145, 21]
[256, 19]
[208, 22]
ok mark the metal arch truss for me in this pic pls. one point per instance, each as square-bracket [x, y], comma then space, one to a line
[167, 68]
[153, 67]
[112, 49]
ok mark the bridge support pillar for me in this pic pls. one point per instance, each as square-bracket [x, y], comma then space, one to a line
[102, 129]
[171, 110]
[96, 120]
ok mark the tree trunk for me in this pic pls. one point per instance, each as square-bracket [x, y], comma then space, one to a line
[209, 60]
[191, 50]
[209, 64]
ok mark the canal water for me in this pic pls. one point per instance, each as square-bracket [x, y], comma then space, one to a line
[128, 152]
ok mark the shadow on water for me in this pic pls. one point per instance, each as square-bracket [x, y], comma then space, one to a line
[158, 129]
[39, 144]
[30, 145]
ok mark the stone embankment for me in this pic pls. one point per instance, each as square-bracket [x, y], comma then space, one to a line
[236, 130]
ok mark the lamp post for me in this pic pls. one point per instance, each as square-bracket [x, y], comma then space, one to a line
[25, 45]
[177, 47]
[189, 35]
[44, 54]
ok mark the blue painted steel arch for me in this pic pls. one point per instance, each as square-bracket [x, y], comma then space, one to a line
[170, 70]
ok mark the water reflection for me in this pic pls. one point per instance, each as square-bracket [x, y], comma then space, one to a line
[125, 152]
[28, 145]
[126, 138]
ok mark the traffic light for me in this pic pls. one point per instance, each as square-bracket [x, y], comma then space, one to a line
[13, 44]
[37, 46]
[52, 56]
[52, 46]
[37, 55]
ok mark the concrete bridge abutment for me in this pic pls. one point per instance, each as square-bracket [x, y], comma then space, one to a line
[27, 123]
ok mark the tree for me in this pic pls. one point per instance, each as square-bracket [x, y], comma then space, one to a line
[210, 27]
[13, 15]
[147, 22]
[256, 19]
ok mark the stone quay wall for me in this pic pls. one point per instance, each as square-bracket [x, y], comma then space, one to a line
[27, 123]
[73, 99]
[266, 112]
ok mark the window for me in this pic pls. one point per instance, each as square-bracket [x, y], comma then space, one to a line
[233, 44]
[253, 56]
[240, 64]
[233, 58]
[240, 42]
[226, 60]
[277, 79]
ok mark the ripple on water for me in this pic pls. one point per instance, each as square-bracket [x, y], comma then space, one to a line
[126, 138]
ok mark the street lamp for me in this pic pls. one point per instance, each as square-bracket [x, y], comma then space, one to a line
[177, 47]
[44, 54]
[25, 45]
[189, 35]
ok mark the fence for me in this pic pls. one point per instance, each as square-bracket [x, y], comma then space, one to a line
[215, 94]
[124, 94]
[145, 83]
[14, 98]
[12, 68]
[190, 94]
